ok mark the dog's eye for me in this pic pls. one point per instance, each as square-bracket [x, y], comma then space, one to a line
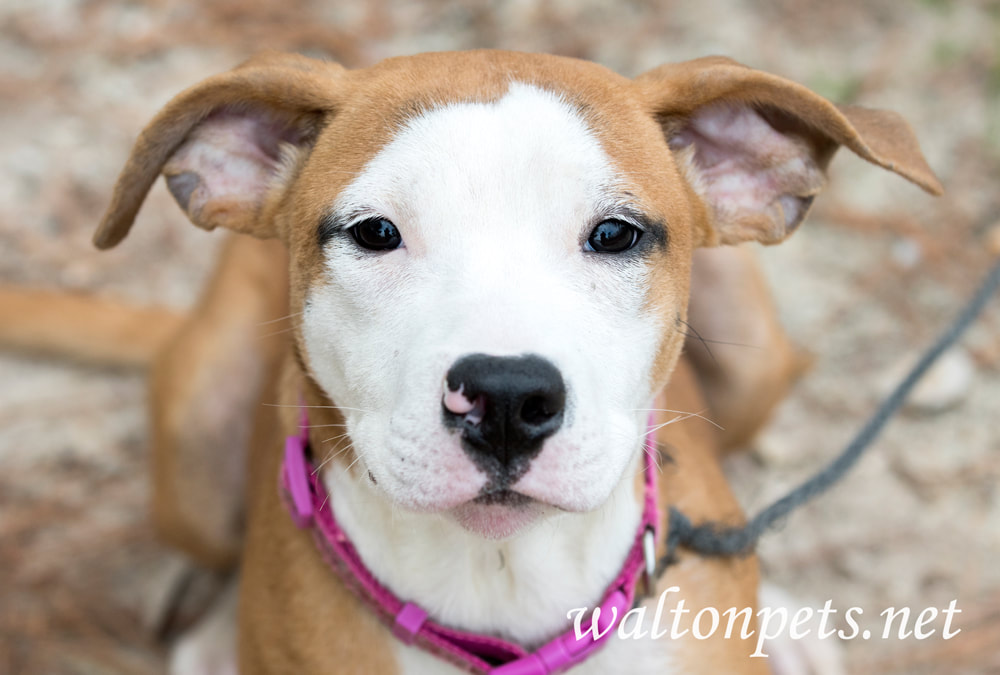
[613, 236]
[377, 234]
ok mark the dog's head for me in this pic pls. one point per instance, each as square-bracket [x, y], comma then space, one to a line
[491, 251]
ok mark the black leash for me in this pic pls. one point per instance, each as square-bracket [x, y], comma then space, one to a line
[716, 540]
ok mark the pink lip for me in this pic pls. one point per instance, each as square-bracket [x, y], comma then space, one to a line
[498, 516]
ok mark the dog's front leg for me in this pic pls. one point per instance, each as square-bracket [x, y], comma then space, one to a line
[744, 361]
[204, 386]
[209, 648]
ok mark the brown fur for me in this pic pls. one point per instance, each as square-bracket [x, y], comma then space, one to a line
[745, 362]
[290, 600]
[90, 330]
[692, 481]
[336, 120]
[204, 389]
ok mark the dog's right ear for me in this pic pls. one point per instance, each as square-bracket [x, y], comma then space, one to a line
[755, 146]
[224, 144]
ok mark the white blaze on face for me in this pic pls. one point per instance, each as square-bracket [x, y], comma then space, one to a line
[494, 202]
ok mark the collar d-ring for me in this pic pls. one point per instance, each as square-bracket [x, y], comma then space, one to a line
[649, 561]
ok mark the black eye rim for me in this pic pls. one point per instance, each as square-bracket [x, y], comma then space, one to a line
[635, 234]
[387, 238]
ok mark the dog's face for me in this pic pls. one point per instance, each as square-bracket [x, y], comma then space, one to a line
[490, 252]
[481, 236]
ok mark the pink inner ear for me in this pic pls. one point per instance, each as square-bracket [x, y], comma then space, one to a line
[746, 169]
[227, 164]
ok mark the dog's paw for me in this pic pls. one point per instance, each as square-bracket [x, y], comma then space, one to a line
[809, 655]
[177, 595]
[209, 647]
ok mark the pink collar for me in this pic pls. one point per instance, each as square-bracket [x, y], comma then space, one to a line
[310, 508]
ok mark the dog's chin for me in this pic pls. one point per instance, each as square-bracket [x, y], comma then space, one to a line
[499, 515]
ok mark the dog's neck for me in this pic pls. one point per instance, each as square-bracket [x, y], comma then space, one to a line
[519, 589]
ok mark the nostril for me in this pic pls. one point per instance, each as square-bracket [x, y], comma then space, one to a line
[538, 410]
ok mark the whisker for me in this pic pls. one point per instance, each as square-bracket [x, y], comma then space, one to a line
[356, 460]
[704, 343]
[679, 418]
[629, 437]
[726, 343]
[340, 447]
[663, 457]
[653, 430]
[658, 460]
[323, 407]
[277, 332]
[681, 412]
[280, 318]
[333, 455]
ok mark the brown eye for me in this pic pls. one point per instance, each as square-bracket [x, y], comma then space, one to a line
[613, 236]
[377, 234]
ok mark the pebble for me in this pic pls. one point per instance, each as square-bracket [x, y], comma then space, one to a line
[907, 253]
[776, 449]
[944, 386]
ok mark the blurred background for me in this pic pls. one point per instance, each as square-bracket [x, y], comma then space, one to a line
[866, 283]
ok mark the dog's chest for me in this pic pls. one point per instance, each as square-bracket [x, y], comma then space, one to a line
[637, 657]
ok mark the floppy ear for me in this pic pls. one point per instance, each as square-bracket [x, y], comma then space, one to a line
[755, 146]
[224, 144]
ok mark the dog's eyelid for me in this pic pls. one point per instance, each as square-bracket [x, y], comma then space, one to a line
[625, 212]
[640, 224]
[354, 222]
[630, 217]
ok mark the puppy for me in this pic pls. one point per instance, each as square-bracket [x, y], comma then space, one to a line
[485, 259]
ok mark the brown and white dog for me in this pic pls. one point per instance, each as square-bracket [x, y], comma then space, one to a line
[446, 219]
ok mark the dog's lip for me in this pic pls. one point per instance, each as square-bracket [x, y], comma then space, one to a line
[498, 514]
[508, 498]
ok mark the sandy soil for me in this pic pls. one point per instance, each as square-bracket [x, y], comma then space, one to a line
[870, 279]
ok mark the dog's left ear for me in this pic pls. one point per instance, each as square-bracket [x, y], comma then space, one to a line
[227, 145]
[755, 146]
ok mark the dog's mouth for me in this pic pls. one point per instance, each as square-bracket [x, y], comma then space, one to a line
[498, 514]
[507, 498]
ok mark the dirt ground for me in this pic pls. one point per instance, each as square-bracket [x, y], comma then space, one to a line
[872, 276]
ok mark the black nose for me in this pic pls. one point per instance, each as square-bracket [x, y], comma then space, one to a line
[508, 405]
